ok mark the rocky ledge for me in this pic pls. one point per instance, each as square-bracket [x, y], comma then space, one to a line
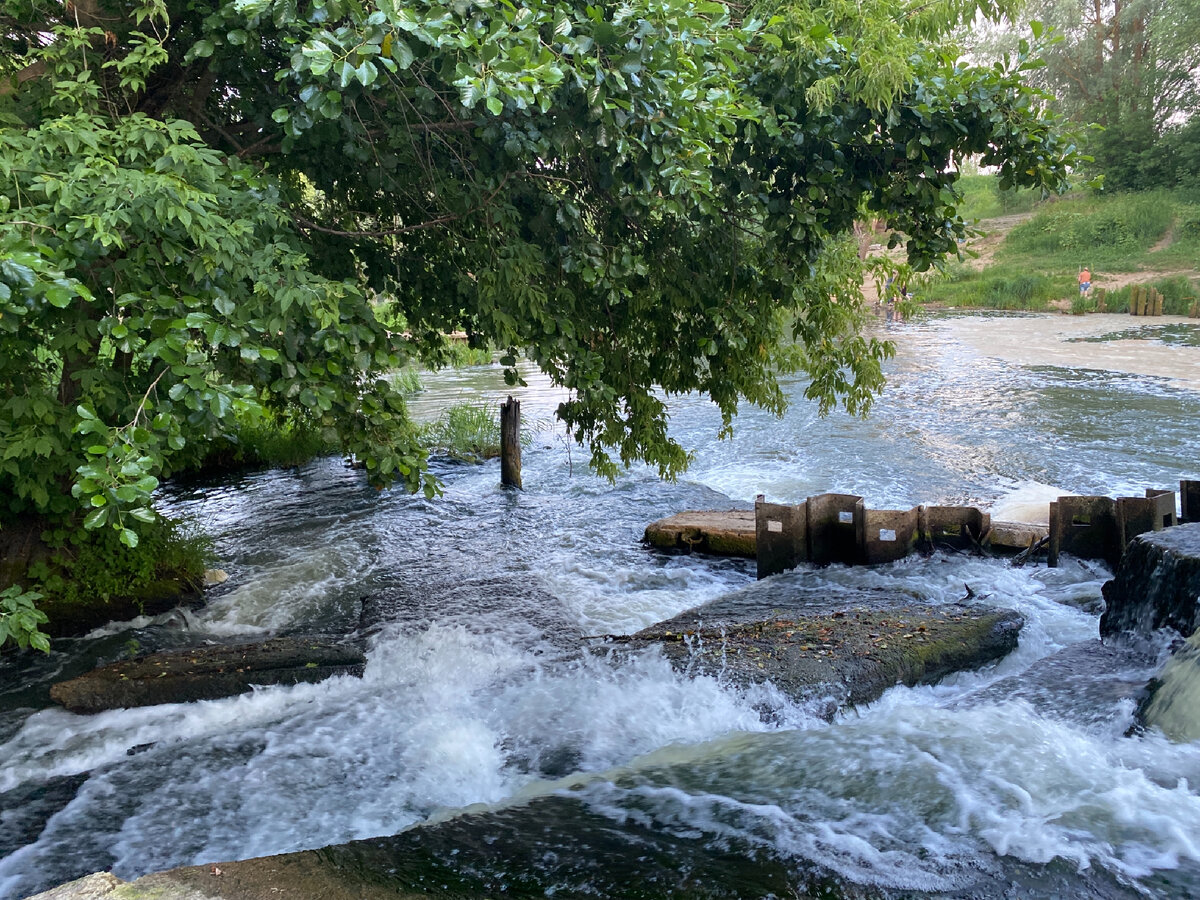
[1157, 584]
[207, 673]
[833, 651]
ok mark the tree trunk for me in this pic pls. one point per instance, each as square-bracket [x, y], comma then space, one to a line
[510, 443]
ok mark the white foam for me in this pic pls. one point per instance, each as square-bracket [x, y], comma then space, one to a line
[1028, 503]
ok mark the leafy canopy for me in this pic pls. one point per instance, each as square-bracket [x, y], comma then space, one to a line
[198, 206]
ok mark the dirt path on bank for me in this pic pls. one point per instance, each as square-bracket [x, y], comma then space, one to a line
[991, 238]
[993, 233]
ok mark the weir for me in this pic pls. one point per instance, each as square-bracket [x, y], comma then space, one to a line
[831, 528]
[839, 528]
[1102, 527]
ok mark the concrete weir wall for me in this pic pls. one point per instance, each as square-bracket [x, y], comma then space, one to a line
[1189, 501]
[839, 528]
[1102, 527]
[835, 528]
[891, 534]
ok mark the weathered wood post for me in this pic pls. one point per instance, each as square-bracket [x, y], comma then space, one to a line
[510, 443]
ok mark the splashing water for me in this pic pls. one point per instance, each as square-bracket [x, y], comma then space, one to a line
[481, 695]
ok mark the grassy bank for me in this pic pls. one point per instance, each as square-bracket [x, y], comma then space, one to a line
[81, 579]
[1035, 266]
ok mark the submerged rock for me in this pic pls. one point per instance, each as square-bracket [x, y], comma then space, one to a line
[1157, 584]
[1091, 683]
[206, 673]
[1172, 703]
[835, 651]
[564, 846]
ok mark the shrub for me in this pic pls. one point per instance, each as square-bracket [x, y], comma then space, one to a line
[1179, 293]
[1001, 287]
[85, 567]
[466, 431]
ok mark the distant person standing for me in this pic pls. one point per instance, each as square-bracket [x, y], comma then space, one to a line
[1085, 281]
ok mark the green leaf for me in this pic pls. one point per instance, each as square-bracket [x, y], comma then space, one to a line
[59, 296]
[401, 53]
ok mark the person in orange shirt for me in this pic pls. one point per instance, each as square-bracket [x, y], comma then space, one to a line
[1085, 281]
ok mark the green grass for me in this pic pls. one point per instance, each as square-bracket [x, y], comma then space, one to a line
[466, 431]
[1108, 233]
[983, 199]
[1179, 293]
[1040, 258]
[998, 287]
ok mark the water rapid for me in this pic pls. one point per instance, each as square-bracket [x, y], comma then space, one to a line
[483, 711]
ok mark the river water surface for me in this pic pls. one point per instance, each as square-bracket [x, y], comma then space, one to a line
[481, 715]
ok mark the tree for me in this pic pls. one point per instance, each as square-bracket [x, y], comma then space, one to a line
[1129, 66]
[196, 204]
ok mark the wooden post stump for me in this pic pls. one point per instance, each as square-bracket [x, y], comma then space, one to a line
[510, 443]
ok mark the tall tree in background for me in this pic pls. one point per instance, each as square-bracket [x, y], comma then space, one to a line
[1131, 67]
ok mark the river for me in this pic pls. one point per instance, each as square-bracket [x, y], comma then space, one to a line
[480, 711]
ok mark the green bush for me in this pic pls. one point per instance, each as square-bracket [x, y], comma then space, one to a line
[1187, 227]
[1179, 293]
[262, 441]
[407, 381]
[1083, 303]
[1001, 287]
[92, 566]
[459, 355]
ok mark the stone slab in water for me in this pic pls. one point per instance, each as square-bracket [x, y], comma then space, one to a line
[207, 673]
[1157, 584]
[1016, 535]
[727, 533]
[559, 846]
[838, 650]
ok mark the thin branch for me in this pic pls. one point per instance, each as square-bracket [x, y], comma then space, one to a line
[146, 396]
[308, 224]
[35, 225]
[388, 232]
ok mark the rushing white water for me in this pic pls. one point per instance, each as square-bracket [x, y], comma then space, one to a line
[477, 693]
